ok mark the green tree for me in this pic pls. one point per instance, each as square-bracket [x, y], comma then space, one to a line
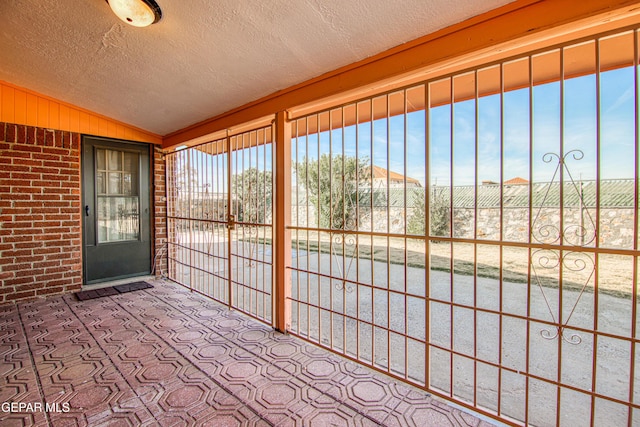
[440, 213]
[332, 187]
[253, 190]
[416, 225]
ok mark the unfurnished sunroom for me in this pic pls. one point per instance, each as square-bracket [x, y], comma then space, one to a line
[448, 219]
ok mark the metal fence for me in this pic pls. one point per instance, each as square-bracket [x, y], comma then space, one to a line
[220, 222]
[531, 318]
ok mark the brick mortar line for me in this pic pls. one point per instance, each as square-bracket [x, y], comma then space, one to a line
[258, 356]
[187, 358]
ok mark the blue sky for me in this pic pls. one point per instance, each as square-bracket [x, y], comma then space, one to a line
[383, 141]
[212, 170]
[578, 130]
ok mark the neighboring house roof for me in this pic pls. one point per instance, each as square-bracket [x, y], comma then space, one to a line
[381, 173]
[516, 181]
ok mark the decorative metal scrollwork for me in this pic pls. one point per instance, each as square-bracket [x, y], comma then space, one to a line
[581, 234]
[574, 339]
[349, 243]
[251, 232]
[558, 233]
[549, 260]
[208, 231]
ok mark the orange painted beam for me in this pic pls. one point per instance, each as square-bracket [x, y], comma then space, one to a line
[282, 235]
[516, 25]
[26, 107]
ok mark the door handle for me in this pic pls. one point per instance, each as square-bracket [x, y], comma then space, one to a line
[86, 210]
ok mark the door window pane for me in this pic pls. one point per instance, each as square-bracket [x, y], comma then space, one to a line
[117, 189]
[130, 162]
[127, 180]
[101, 159]
[114, 160]
[115, 183]
[117, 219]
[101, 184]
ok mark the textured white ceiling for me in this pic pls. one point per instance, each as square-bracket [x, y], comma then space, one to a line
[204, 57]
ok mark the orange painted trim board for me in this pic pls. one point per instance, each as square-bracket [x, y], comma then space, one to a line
[25, 107]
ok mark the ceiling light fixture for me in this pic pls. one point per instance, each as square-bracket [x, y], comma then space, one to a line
[139, 13]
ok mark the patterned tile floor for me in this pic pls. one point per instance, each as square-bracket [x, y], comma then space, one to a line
[169, 357]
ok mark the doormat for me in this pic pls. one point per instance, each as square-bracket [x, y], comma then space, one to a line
[112, 290]
[129, 287]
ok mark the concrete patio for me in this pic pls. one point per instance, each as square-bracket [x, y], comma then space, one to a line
[167, 356]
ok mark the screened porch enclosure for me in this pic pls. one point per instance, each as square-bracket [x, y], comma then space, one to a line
[474, 234]
[219, 215]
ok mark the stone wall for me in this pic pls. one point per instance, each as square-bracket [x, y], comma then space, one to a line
[615, 231]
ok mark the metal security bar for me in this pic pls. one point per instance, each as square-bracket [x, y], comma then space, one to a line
[197, 205]
[477, 234]
[219, 219]
[251, 236]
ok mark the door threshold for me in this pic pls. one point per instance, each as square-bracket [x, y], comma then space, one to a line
[117, 282]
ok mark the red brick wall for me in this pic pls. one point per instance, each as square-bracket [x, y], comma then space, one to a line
[160, 209]
[40, 223]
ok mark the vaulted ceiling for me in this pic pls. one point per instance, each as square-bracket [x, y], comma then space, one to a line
[204, 57]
